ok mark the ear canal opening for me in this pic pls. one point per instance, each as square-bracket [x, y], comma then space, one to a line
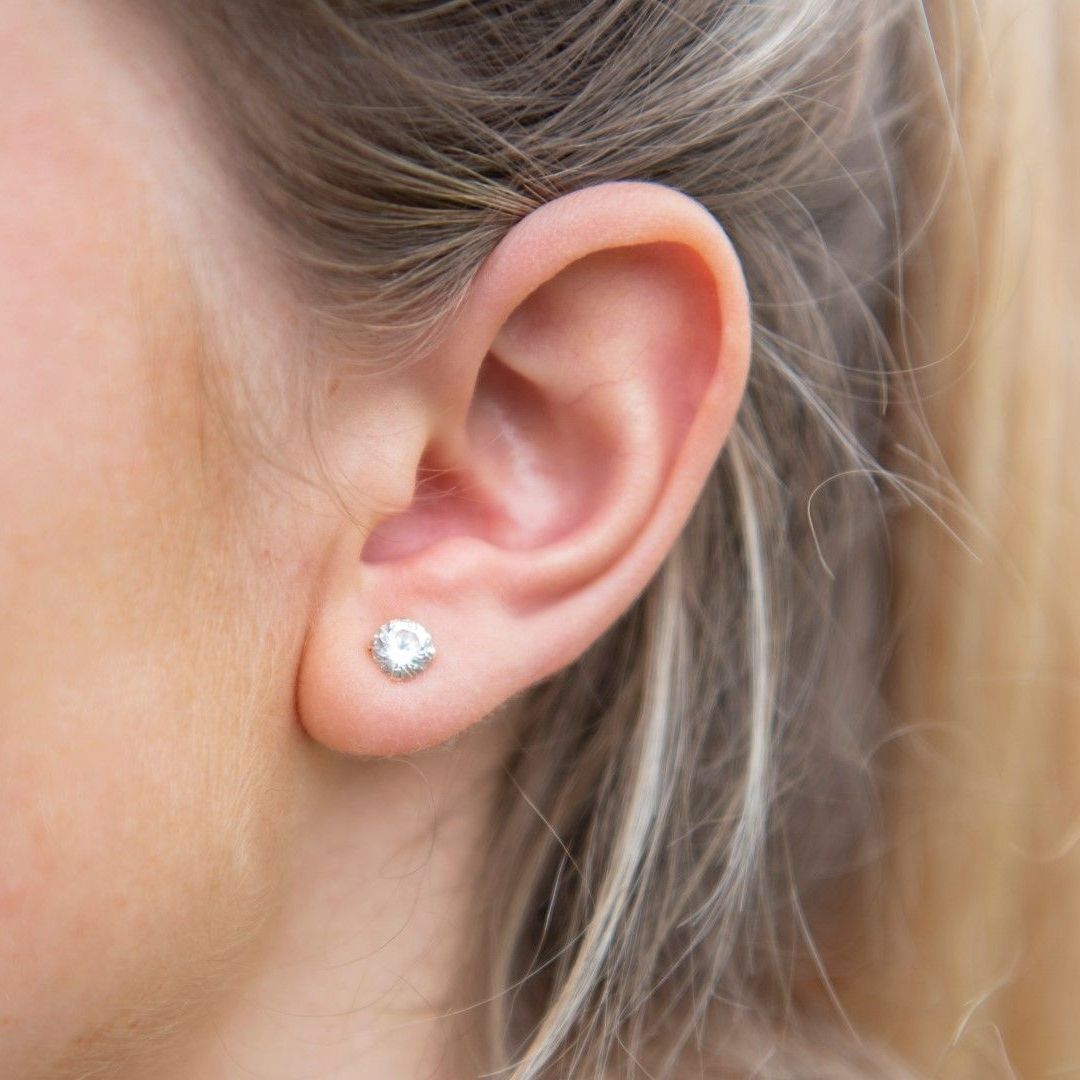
[529, 474]
[441, 507]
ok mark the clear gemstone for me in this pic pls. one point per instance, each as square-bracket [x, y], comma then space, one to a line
[402, 648]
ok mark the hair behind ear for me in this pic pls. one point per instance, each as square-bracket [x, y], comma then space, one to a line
[972, 918]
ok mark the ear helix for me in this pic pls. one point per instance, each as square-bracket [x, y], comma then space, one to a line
[402, 648]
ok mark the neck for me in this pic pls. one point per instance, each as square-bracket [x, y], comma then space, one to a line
[362, 973]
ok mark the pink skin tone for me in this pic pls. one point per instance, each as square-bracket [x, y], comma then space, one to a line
[216, 859]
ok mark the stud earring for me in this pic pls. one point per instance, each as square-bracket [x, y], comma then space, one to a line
[402, 648]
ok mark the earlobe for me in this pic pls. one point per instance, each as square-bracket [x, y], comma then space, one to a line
[577, 405]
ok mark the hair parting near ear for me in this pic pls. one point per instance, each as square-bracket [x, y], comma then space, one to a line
[692, 799]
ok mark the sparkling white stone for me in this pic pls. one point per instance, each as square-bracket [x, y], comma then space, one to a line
[402, 648]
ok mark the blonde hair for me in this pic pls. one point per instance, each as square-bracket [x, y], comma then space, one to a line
[972, 968]
[682, 873]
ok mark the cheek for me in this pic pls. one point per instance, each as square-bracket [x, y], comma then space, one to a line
[141, 727]
[136, 760]
[135, 875]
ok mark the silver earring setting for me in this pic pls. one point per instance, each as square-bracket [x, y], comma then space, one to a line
[402, 648]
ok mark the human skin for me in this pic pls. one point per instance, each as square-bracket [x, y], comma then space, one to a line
[141, 734]
[215, 856]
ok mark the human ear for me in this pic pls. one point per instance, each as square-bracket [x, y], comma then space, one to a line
[571, 415]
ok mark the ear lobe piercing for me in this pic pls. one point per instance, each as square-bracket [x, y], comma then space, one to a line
[402, 648]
